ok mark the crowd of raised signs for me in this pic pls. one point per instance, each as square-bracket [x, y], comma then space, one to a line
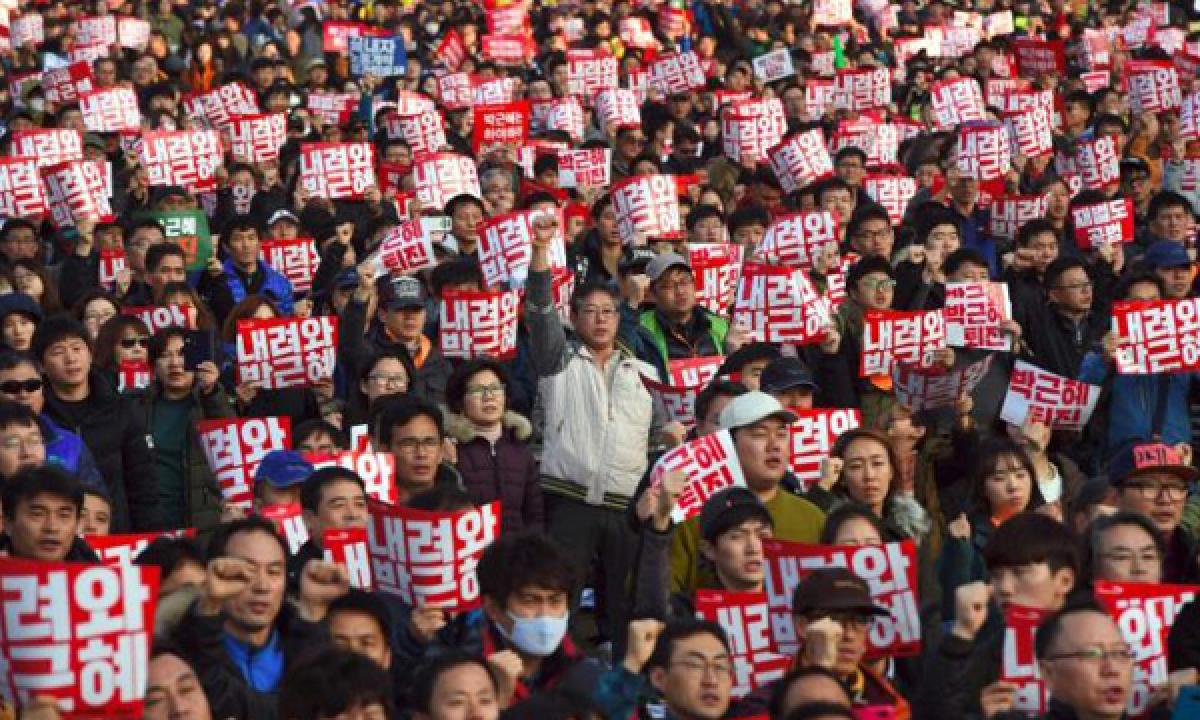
[599, 359]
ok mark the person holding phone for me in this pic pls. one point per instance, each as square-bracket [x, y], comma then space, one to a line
[184, 391]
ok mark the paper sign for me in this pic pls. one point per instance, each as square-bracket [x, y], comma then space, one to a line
[1098, 161]
[337, 170]
[123, 549]
[678, 397]
[892, 192]
[974, 312]
[749, 129]
[22, 194]
[983, 152]
[890, 571]
[77, 633]
[75, 192]
[217, 108]
[379, 56]
[479, 323]
[898, 336]
[779, 304]
[348, 547]
[774, 65]
[1106, 223]
[746, 621]
[189, 230]
[440, 176]
[287, 352]
[1157, 336]
[296, 259]
[585, 168]
[111, 110]
[289, 521]
[377, 471]
[429, 558]
[406, 249]
[158, 317]
[800, 160]
[506, 249]
[187, 158]
[257, 138]
[812, 438]
[955, 102]
[233, 448]
[1019, 665]
[647, 208]
[710, 464]
[1010, 212]
[716, 268]
[676, 73]
[1037, 395]
[51, 146]
[918, 388]
[504, 124]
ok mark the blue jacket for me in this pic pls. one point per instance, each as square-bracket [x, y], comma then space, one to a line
[1133, 401]
[275, 285]
[66, 450]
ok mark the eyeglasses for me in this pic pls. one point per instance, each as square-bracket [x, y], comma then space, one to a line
[12, 387]
[883, 234]
[485, 390]
[873, 285]
[720, 668]
[1096, 655]
[130, 343]
[592, 311]
[392, 381]
[16, 443]
[1075, 286]
[1153, 491]
[411, 445]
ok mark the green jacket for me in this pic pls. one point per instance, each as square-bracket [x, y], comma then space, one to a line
[718, 328]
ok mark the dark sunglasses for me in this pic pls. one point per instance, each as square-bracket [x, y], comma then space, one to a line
[129, 343]
[12, 387]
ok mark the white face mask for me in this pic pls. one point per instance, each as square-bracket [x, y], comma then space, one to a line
[537, 636]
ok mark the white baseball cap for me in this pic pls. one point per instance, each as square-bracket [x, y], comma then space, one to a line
[749, 408]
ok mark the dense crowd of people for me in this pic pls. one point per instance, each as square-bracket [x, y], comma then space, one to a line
[129, 299]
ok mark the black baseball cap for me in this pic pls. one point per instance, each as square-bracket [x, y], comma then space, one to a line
[834, 589]
[785, 373]
[729, 508]
[400, 293]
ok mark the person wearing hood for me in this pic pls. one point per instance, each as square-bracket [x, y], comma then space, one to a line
[19, 318]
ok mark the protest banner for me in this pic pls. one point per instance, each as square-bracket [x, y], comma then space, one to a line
[710, 464]
[504, 124]
[812, 437]
[406, 249]
[974, 313]
[78, 634]
[1019, 665]
[233, 448]
[189, 230]
[111, 110]
[716, 268]
[475, 323]
[216, 108]
[892, 192]
[506, 248]
[779, 304]
[899, 336]
[428, 559]
[1145, 613]
[918, 388]
[801, 160]
[746, 621]
[289, 521]
[1037, 395]
[440, 176]
[75, 192]
[890, 571]
[50, 146]
[343, 170]
[677, 396]
[647, 209]
[378, 56]
[955, 102]
[295, 258]
[287, 352]
[1157, 336]
[187, 158]
[1105, 223]
[22, 194]
[983, 152]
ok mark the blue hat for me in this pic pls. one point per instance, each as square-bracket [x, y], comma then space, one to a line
[346, 278]
[19, 303]
[283, 469]
[1166, 254]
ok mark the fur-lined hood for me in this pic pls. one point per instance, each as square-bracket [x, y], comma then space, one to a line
[461, 430]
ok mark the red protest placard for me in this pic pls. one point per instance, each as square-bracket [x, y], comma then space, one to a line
[494, 91]
[111, 110]
[647, 208]
[635, 32]
[564, 114]
[880, 142]
[424, 131]
[862, 89]
[1153, 86]
[348, 547]
[1020, 666]
[800, 160]
[1157, 336]
[983, 152]
[892, 192]
[973, 313]
[1010, 212]
[920, 388]
[955, 102]
[813, 435]
[1037, 395]
[508, 17]
[716, 268]
[233, 448]
[406, 249]
[336, 34]
[122, 549]
[506, 248]
[257, 138]
[22, 193]
[51, 146]
[910, 337]
[437, 177]
[332, 108]
[112, 262]
[296, 259]
[752, 127]
[676, 73]
[454, 91]
[78, 634]
[746, 621]
[429, 558]
[890, 571]
[96, 30]
[188, 158]
[1098, 161]
[157, 317]
[65, 84]
[337, 170]
[504, 124]
[617, 108]
[479, 323]
[289, 521]
[450, 50]
[589, 72]
[511, 50]
[287, 352]
[377, 470]
[798, 239]
[585, 168]
[678, 395]
[1103, 223]
[1145, 613]
[133, 375]
[1037, 57]
[779, 305]
[75, 192]
[710, 464]
[217, 108]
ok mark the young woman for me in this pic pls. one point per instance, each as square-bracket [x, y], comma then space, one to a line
[94, 309]
[19, 318]
[388, 372]
[124, 338]
[33, 280]
[185, 296]
[494, 458]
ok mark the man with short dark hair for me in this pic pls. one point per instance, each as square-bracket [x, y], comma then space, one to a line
[165, 264]
[41, 517]
[79, 397]
[1152, 479]
[679, 327]
[332, 684]
[412, 430]
[244, 273]
[331, 497]
[1059, 333]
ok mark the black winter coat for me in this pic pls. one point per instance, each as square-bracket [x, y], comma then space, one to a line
[506, 471]
[113, 430]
